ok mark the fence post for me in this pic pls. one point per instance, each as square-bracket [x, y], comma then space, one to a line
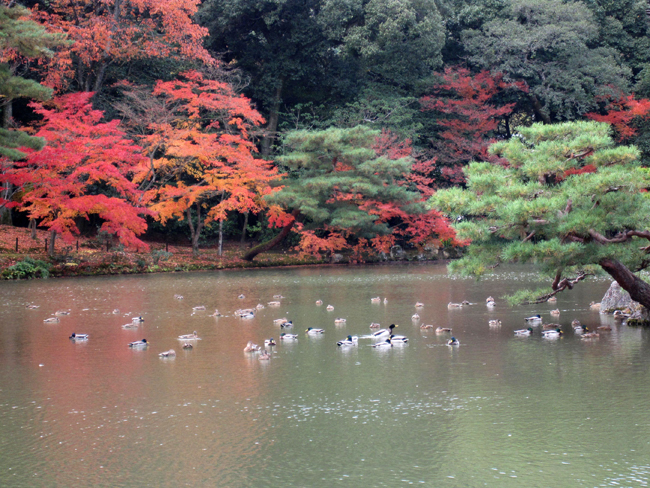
[166, 246]
[16, 244]
[77, 244]
[45, 246]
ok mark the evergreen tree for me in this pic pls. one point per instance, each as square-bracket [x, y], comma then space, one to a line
[569, 201]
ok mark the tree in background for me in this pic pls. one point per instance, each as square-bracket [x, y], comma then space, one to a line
[201, 162]
[549, 44]
[83, 170]
[345, 182]
[570, 201]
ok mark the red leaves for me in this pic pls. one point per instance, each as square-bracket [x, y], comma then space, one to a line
[622, 112]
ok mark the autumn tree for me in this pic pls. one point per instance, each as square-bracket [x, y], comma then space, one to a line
[115, 32]
[570, 201]
[83, 170]
[346, 182]
[201, 161]
[469, 114]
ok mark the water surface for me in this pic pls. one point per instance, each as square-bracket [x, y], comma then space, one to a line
[496, 411]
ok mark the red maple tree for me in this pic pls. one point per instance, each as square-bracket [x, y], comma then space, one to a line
[622, 112]
[83, 170]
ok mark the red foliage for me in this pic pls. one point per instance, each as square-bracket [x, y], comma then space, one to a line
[621, 113]
[62, 182]
[467, 102]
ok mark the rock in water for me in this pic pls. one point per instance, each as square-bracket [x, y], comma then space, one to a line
[616, 298]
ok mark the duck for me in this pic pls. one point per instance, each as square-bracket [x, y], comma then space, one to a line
[278, 297]
[137, 320]
[384, 332]
[494, 323]
[375, 325]
[604, 328]
[394, 339]
[453, 342]
[375, 300]
[524, 332]
[198, 308]
[419, 305]
[259, 306]
[216, 313]
[142, 343]
[79, 337]
[329, 308]
[264, 356]
[443, 330]
[552, 300]
[489, 299]
[340, 320]
[51, 320]
[247, 315]
[288, 337]
[415, 317]
[452, 305]
[384, 344]
[189, 337]
[280, 321]
[167, 354]
[491, 304]
[385, 301]
[575, 323]
[132, 325]
[178, 297]
[187, 345]
[590, 335]
[319, 302]
[426, 326]
[116, 311]
[61, 312]
[555, 313]
[250, 347]
[550, 326]
[348, 341]
[241, 296]
[580, 329]
[274, 303]
[32, 307]
[594, 306]
[270, 342]
[286, 325]
[533, 318]
[313, 331]
[552, 334]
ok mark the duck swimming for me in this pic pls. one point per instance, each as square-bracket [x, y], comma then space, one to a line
[281, 321]
[313, 331]
[167, 354]
[398, 339]
[274, 304]
[187, 345]
[259, 306]
[419, 305]
[340, 320]
[524, 332]
[383, 345]
[556, 312]
[288, 337]
[534, 318]
[216, 313]
[270, 342]
[189, 337]
[453, 342]
[137, 320]
[178, 297]
[142, 343]
[286, 325]
[494, 323]
[349, 341]
[250, 347]
[264, 356]
[51, 320]
[384, 332]
[61, 312]
[375, 300]
[415, 317]
[79, 337]
[443, 330]
[426, 326]
[452, 305]
[330, 308]
[319, 302]
[198, 308]
[552, 334]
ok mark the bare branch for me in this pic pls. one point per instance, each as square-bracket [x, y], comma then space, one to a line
[562, 285]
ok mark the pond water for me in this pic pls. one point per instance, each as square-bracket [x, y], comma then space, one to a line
[498, 410]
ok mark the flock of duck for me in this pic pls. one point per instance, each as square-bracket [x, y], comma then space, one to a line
[383, 338]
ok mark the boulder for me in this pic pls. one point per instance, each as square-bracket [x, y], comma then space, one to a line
[616, 298]
[336, 258]
[396, 252]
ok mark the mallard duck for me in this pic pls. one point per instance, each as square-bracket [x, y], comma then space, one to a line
[278, 297]
[259, 306]
[575, 323]
[286, 325]
[349, 341]
[319, 302]
[552, 300]
[443, 330]
[132, 325]
[189, 337]
[375, 300]
[550, 326]
[187, 345]
[524, 332]
[555, 313]
[274, 304]
[604, 328]
[32, 307]
[533, 318]
[452, 305]
[453, 342]
[178, 297]
[491, 304]
[216, 313]
[465, 302]
[384, 332]
[313, 331]
[395, 339]
[79, 337]
[329, 308]
[288, 337]
[340, 320]
[580, 329]
[198, 308]
[247, 315]
[594, 306]
[61, 313]
[167, 354]
[51, 320]
[384, 344]
[270, 342]
[426, 326]
[419, 305]
[280, 321]
[552, 334]
[142, 343]
[415, 317]
[250, 347]
[375, 325]
[590, 335]
[137, 320]
[241, 296]
[494, 323]
[264, 356]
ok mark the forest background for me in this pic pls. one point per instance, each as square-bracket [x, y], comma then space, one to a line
[325, 125]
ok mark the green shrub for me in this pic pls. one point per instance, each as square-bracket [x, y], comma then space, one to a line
[26, 269]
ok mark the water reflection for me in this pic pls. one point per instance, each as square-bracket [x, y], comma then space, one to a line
[497, 410]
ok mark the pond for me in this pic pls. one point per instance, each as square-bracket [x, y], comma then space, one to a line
[497, 410]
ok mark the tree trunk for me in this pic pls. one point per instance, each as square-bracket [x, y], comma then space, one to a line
[539, 110]
[250, 255]
[272, 125]
[32, 227]
[243, 231]
[195, 232]
[6, 189]
[638, 289]
[52, 239]
[220, 250]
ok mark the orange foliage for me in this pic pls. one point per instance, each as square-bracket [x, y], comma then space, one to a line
[312, 245]
[621, 112]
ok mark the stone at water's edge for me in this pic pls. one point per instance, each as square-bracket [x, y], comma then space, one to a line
[618, 299]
